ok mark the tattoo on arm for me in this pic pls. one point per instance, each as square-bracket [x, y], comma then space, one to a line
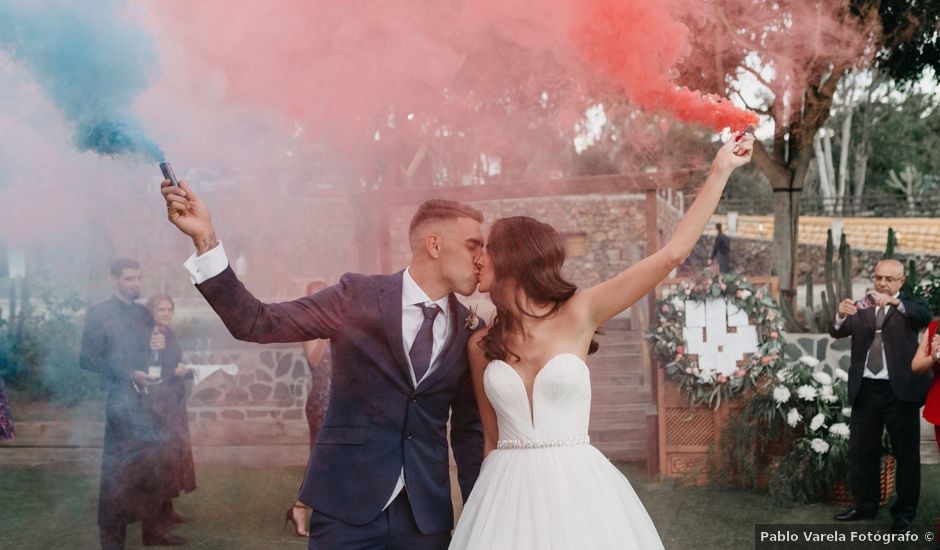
[206, 244]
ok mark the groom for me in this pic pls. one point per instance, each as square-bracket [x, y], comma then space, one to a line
[378, 476]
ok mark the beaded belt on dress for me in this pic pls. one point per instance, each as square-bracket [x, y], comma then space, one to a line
[542, 443]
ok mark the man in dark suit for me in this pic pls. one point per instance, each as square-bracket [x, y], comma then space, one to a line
[884, 392]
[379, 473]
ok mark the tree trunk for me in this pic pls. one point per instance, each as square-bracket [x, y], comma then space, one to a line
[861, 172]
[825, 177]
[841, 192]
[830, 170]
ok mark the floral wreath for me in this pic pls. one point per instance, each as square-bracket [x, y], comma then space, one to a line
[668, 343]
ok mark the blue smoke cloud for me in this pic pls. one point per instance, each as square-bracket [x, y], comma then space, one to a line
[92, 60]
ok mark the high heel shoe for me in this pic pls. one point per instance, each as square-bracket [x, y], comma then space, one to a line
[299, 528]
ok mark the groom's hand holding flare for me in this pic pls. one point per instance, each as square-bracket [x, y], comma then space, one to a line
[186, 211]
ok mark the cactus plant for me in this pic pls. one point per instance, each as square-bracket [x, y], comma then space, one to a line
[910, 284]
[844, 282]
[838, 275]
[911, 280]
[892, 244]
[810, 305]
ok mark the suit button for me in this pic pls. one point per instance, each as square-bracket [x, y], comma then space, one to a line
[407, 435]
[413, 399]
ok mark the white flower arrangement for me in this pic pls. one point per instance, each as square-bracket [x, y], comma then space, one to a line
[793, 418]
[840, 429]
[817, 422]
[819, 445]
[809, 361]
[781, 394]
[815, 418]
[827, 395]
[806, 393]
[840, 374]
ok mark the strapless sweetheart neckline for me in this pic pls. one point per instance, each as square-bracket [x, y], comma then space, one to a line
[531, 397]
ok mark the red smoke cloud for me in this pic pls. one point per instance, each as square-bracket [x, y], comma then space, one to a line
[354, 67]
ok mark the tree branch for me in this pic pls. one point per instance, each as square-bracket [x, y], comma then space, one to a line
[759, 78]
[766, 112]
[776, 172]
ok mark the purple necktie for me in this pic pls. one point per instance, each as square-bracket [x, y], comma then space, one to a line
[424, 342]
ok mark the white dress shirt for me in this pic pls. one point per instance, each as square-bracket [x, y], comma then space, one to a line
[883, 374]
[204, 267]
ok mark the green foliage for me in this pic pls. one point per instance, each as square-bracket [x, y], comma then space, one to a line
[929, 288]
[792, 437]
[39, 351]
[904, 138]
[911, 43]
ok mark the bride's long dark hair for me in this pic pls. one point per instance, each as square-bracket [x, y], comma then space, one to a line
[531, 253]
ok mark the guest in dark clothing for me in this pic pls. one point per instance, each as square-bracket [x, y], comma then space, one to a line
[722, 251]
[169, 400]
[317, 354]
[116, 345]
[6, 418]
[884, 393]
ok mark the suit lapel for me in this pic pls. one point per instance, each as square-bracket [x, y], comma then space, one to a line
[889, 313]
[455, 345]
[390, 312]
[870, 319]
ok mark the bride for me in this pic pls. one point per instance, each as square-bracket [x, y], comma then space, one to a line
[542, 485]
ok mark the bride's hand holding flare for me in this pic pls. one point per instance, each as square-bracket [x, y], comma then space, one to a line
[609, 298]
[187, 212]
[736, 152]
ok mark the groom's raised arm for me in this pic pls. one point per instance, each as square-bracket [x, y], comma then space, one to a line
[247, 318]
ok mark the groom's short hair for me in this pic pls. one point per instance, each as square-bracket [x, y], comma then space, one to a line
[442, 209]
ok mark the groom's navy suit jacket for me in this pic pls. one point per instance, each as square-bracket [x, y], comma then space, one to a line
[377, 422]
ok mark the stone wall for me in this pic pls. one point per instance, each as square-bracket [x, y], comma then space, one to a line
[271, 383]
[830, 351]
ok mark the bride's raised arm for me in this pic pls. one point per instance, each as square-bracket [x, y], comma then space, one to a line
[609, 298]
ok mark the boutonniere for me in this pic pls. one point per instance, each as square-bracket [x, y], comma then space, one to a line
[472, 321]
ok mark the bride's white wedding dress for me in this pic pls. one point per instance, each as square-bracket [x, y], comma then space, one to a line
[546, 487]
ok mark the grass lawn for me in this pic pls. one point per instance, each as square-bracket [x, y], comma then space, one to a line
[243, 508]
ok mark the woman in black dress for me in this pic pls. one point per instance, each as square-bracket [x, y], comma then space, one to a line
[169, 398]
